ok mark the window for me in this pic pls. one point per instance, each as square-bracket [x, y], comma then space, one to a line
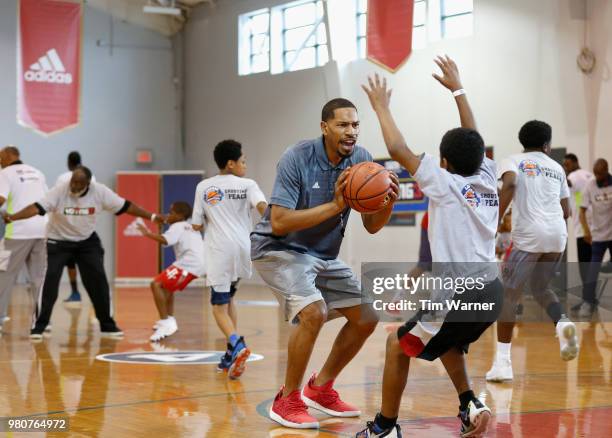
[362, 14]
[419, 32]
[254, 42]
[304, 37]
[457, 18]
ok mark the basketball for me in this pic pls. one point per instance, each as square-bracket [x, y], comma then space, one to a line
[369, 187]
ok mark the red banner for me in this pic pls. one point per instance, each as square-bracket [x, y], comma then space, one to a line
[137, 256]
[49, 64]
[389, 32]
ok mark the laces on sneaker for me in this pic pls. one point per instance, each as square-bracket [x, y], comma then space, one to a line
[328, 397]
[296, 403]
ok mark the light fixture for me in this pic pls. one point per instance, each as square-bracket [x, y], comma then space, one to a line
[167, 9]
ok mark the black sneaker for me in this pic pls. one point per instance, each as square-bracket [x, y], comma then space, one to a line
[226, 359]
[474, 419]
[114, 333]
[374, 430]
[36, 334]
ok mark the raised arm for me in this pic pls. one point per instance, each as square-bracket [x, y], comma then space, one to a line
[450, 79]
[285, 220]
[394, 140]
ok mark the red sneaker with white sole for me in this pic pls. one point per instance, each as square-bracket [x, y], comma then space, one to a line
[326, 399]
[290, 411]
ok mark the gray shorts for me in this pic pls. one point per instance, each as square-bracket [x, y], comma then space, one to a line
[532, 269]
[301, 279]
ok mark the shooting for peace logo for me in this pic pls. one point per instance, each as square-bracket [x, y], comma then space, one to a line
[213, 195]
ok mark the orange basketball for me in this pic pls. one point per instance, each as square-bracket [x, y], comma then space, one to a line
[369, 187]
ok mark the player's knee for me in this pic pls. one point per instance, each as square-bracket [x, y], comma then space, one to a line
[366, 327]
[314, 315]
[393, 345]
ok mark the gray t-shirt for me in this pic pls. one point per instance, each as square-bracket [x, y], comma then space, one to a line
[74, 218]
[305, 179]
[599, 198]
[463, 216]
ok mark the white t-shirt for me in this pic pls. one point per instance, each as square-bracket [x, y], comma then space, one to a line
[22, 185]
[463, 216]
[599, 199]
[74, 219]
[66, 176]
[579, 179]
[224, 204]
[187, 245]
[537, 217]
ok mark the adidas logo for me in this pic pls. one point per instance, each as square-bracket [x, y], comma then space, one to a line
[50, 69]
[132, 229]
[316, 185]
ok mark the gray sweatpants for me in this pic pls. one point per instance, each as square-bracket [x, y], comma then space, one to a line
[32, 253]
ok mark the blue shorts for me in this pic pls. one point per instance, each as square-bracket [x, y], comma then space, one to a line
[220, 298]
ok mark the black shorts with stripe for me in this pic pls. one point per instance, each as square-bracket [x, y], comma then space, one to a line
[460, 327]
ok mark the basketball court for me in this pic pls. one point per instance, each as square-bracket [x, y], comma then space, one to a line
[167, 394]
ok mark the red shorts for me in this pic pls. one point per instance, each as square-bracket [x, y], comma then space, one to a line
[174, 279]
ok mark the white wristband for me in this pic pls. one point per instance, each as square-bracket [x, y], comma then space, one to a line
[458, 92]
[153, 216]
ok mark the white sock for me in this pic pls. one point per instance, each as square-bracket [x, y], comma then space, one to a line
[503, 350]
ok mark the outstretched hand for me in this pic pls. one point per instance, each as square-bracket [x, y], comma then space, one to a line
[377, 92]
[6, 218]
[450, 73]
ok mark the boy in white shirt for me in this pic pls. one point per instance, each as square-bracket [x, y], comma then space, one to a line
[222, 206]
[188, 266]
[537, 187]
[463, 207]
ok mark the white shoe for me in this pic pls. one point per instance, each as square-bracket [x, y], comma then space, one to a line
[165, 329]
[586, 310]
[4, 319]
[475, 419]
[501, 371]
[568, 340]
[48, 328]
[157, 323]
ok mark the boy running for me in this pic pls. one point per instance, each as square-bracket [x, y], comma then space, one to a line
[537, 187]
[463, 207]
[189, 265]
[223, 206]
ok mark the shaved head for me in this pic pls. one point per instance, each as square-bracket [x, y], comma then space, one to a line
[601, 170]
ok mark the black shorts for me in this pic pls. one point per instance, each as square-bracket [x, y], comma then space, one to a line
[459, 329]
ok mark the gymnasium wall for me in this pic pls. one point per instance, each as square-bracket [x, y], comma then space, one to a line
[519, 64]
[127, 103]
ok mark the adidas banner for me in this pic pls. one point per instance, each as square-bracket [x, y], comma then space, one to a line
[49, 64]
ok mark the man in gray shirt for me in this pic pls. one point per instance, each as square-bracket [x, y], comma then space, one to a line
[295, 248]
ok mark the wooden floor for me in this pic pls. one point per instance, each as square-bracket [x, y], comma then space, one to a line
[61, 377]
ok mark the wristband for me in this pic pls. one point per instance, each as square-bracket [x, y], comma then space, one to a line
[153, 216]
[458, 92]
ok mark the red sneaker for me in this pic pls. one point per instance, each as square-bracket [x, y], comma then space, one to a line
[326, 399]
[290, 411]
